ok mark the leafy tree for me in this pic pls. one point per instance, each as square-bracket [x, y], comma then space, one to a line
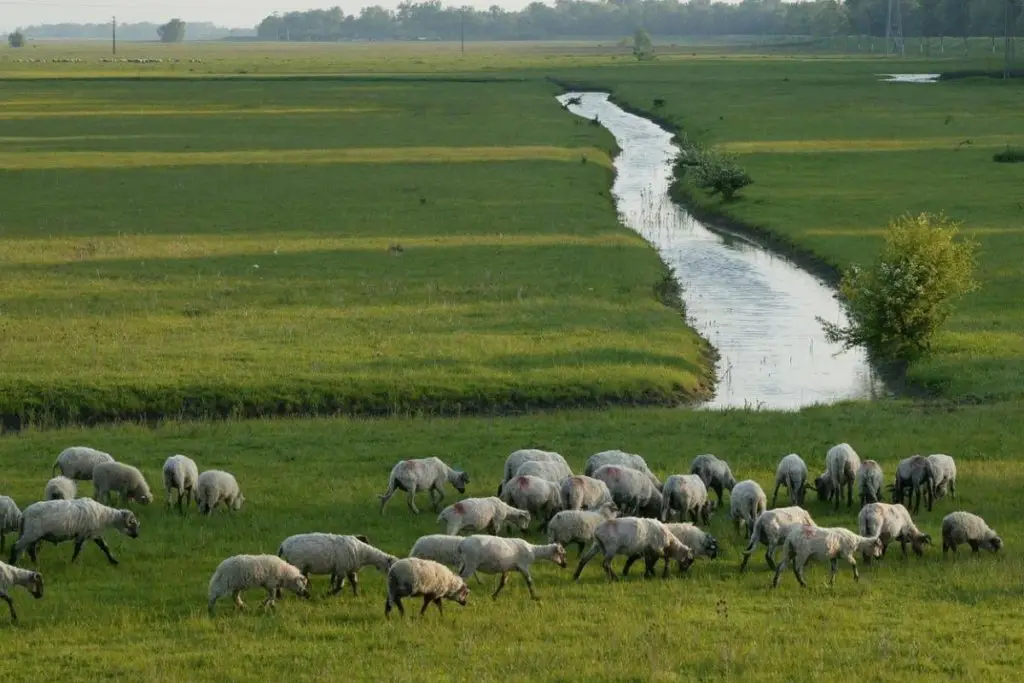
[16, 39]
[643, 46]
[172, 32]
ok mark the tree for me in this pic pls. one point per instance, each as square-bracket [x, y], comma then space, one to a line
[16, 39]
[643, 46]
[172, 32]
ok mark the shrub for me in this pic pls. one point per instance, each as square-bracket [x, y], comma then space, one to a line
[896, 306]
[717, 174]
[16, 39]
[1010, 155]
[643, 46]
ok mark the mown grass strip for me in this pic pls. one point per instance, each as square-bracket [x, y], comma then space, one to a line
[863, 145]
[196, 111]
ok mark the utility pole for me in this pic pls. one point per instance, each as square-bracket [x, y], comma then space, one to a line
[113, 35]
[894, 29]
[1007, 37]
[462, 30]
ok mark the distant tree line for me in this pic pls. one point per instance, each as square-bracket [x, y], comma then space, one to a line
[200, 30]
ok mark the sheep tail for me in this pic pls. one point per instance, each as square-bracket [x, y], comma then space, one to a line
[391, 489]
[755, 532]
[53, 470]
[280, 551]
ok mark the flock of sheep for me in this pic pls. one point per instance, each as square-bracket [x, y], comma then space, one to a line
[618, 506]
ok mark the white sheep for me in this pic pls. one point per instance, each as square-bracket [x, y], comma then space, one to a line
[489, 514]
[181, 475]
[965, 527]
[77, 462]
[715, 474]
[551, 471]
[622, 459]
[524, 455]
[440, 548]
[913, 478]
[413, 577]
[791, 473]
[10, 519]
[841, 465]
[79, 520]
[807, 542]
[869, 482]
[340, 556]
[10, 577]
[60, 488]
[577, 526]
[581, 492]
[426, 474]
[494, 555]
[632, 491]
[124, 480]
[891, 522]
[539, 497]
[215, 487]
[242, 572]
[770, 528]
[635, 537]
[687, 495]
[693, 537]
[746, 502]
[943, 469]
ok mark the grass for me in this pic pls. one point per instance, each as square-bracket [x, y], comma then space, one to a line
[1010, 155]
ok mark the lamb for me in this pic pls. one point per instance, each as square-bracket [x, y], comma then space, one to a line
[581, 492]
[913, 474]
[10, 519]
[806, 542]
[635, 537]
[715, 474]
[427, 474]
[577, 526]
[622, 459]
[697, 540]
[943, 470]
[440, 548]
[770, 528]
[340, 556]
[891, 523]
[631, 490]
[241, 572]
[77, 462]
[841, 465]
[869, 482]
[60, 488]
[539, 497]
[125, 480]
[413, 577]
[686, 494]
[551, 471]
[181, 475]
[493, 555]
[215, 487]
[80, 520]
[964, 527]
[518, 458]
[13, 576]
[791, 473]
[479, 514]
[746, 502]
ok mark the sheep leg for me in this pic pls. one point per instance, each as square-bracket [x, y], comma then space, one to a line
[849, 494]
[427, 599]
[437, 503]
[629, 563]
[181, 502]
[853, 563]
[607, 564]
[975, 546]
[580, 545]
[529, 582]
[237, 595]
[269, 600]
[440, 609]
[718, 492]
[386, 496]
[501, 584]
[590, 554]
[833, 570]
[79, 542]
[798, 569]
[903, 547]
[778, 573]
[354, 580]
[10, 606]
[106, 549]
[412, 500]
[775, 494]
[769, 555]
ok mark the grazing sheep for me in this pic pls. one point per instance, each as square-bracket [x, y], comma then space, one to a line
[891, 523]
[690, 535]
[715, 474]
[241, 572]
[13, 576]
[770, 528]
[622, 459]
[340, 556]
[482, 514]
[687, 495]
[965, 527]
[125, 480]
[791, 473]
[581, 492]
[746, 502]
[943, 470]
[493, 555]
[577, 526]
[807, 542]
[181, 475]
[215, 487]
[869, 482]
[440, 548]
[841, 465]
[518, 458]
[10, 519]
[551, 471]
[427, 474]
[635, 537]
[539, 497]
[631, 490]
[60, 488]
[413, 577]
[77, 462]
[913, 477]
[80, 520]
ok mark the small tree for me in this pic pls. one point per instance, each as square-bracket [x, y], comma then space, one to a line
[717, 174]
[172, 32]
[16, 39]
[643, 46]
[896, 306]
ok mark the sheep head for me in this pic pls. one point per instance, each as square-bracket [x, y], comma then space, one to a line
[460, 479]
[127, 523]
[299, 585]
[823, 487]
[460, 594]
[35, 585]
[558, 555]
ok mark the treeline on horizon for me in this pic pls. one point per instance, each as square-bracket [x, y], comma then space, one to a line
[198, 30]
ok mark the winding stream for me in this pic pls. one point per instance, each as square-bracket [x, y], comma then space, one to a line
[756, 307]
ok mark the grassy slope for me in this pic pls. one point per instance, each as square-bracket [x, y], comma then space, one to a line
[835, 154]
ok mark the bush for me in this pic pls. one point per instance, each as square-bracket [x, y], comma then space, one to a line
[643, 46]
[16, 39]
[1010, 155]
[716, 174]
[897, 305]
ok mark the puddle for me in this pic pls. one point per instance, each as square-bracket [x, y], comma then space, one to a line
[908, 78]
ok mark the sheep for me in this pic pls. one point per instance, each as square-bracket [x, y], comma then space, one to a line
[869, 482]
[581, 492]
[426, 474]
[518, 458]
[60, 488]
[478, 514]
[413, 577]
[841, 465]
[493, 555]
[746, 502]
[539, 497]
[891, 523]
[806, 542]
[10, 519]
[551, 471]
[943, 470]
[631, 490]
[715, 474]
[80, 520]
[577, 526]
[13, 576]
[965, 527]
[635, 537]
[770, 528]
[791, 473]
[440, 548]
[125, 480]
[694, 538]
[215, 487]
[340, 556]
[241, 572]
[913, 474]
[622, 459]
[77, 462]
[686, 494]
[181, 475]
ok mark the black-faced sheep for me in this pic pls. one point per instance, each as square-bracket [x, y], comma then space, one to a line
[687, 495]
[181, 476]
[79, 520]
[771, 528]
[517, 458]
[427, 474]
[489, 514]
[10, 577]
[891, 522]
[631, 490]
[791, 473]
[913, 478]
[841, 465]
[413, 577]
[77, 462]
[965, 527]
[746, 502]
[806, 542]
[715, 474]
[494, 555]
[869, 482]
[242, 572]
[635, 537]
